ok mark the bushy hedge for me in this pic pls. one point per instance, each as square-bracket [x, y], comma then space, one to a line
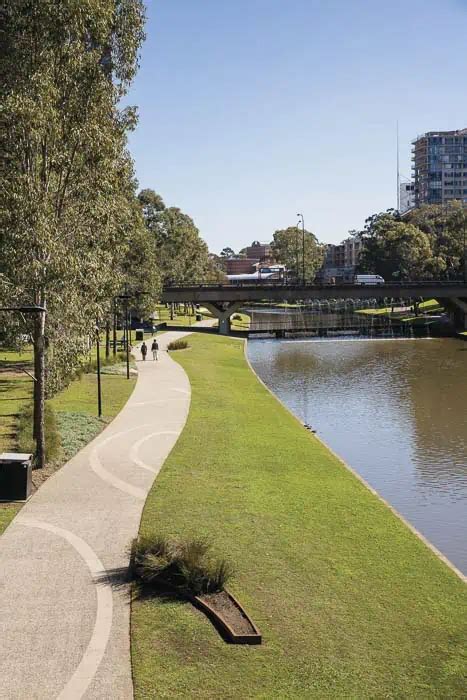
[25, 441]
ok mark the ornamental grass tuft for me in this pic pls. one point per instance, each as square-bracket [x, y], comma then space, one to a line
[182, 565]
[180, 344]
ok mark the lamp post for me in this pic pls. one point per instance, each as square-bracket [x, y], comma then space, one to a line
[125, 298]
[114, 334]
[99, 388]
[297, 253]
[300, 216]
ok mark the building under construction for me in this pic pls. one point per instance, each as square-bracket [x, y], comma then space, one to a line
[440, 167]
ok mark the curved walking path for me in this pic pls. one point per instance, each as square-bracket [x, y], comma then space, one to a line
[64, 623]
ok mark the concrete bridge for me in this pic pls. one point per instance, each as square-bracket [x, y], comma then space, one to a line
[223, 300]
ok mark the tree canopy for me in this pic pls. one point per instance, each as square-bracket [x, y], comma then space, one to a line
[181, 254]
[427, 243]
[67, 179]
[287, 246]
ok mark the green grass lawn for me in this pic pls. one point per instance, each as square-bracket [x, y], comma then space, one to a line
[350, 603]
[429, 306]
[7, 513]
[81, 395]
[240, 324]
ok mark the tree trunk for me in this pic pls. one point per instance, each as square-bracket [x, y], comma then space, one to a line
[39, 388]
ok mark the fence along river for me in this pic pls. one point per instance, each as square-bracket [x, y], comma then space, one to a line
[393, 409]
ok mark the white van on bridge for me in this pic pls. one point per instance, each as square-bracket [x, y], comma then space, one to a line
[369, 280]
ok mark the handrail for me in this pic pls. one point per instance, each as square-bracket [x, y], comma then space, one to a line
[324, 285]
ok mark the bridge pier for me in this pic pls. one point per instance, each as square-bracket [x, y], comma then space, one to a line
[223, 310]
[458, 311]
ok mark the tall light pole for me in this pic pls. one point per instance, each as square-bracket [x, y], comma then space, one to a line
[297, 255]
[125, 298]
[99, 389]
[300, 216]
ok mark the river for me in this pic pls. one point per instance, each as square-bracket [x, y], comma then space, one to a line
[394, 410]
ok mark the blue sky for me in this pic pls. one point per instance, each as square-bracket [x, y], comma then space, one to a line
[254, 110]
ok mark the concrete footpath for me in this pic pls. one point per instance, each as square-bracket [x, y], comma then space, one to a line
[64, 622]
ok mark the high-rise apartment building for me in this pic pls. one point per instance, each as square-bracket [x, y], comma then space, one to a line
[440, 167]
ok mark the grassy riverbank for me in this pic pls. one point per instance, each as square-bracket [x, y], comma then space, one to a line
[349, 601]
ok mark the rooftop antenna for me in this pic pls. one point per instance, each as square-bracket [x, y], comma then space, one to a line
[398, 171]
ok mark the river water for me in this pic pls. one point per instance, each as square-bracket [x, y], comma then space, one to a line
[395, 410]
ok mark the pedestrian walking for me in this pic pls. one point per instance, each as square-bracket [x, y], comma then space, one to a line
[155, 349]
[144, 350]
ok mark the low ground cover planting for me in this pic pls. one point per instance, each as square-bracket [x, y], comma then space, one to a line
[349, 602]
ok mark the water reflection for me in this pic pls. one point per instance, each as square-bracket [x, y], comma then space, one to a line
[395, 411]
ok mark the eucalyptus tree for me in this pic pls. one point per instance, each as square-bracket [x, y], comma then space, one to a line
[182, 255]
[446, 227]
[67, 180]
[287, 246]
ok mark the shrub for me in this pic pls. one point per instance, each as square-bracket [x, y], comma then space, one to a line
[25, 439]
[91, 365]
[182, 565]
[180, 344]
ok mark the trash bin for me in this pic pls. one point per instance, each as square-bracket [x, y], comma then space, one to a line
[15, 476]
[139, 334]
[199, 317]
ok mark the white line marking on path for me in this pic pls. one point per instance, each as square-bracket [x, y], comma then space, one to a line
[154, 401]
[135, 449]
[182, 391]
[99, 469]
[92, 657]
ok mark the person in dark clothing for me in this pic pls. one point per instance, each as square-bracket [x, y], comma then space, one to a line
[144, 350]
[155, 349]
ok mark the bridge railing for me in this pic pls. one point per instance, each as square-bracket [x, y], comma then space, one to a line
[254, 284]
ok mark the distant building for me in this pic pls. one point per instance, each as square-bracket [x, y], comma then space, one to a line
[341, 260]
[260, 251]
[406, 196]
[240, 266]
[440, 167]
[343, 255]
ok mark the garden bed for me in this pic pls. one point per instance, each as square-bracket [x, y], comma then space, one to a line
[224, 610]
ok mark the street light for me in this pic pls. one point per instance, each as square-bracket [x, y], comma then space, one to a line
[297, 255]
[300, 216]
[99, 389]
[125, 297]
